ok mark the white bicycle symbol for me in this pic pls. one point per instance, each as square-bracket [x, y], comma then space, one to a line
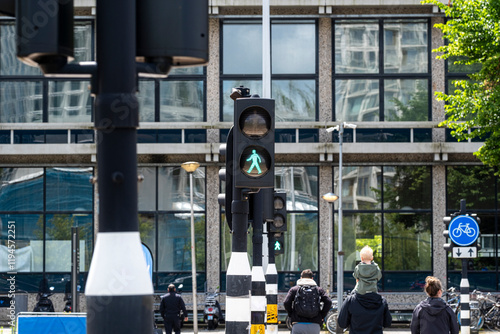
[463, 228]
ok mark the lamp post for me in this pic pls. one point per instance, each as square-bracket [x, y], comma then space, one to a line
[340, 252]
[330, 198]
[190, 167]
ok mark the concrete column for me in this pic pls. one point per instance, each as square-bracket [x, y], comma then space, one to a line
[213, 228]
[439, 211]
[213, 99]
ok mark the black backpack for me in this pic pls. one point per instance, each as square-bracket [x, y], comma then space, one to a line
[307, 301]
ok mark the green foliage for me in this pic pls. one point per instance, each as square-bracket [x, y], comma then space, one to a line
[473, 34]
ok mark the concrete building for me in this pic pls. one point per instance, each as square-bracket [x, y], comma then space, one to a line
[365, 62]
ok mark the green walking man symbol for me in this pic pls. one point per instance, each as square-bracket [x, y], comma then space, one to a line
[277, 246]
[256, 160]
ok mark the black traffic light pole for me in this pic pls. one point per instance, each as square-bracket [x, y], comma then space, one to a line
[119, 291]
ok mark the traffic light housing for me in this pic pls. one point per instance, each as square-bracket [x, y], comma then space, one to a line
[476, 243]
[447, 220]
[278, 224]
[279, 243]
[226, 174]
[44, 31]
[253, 142]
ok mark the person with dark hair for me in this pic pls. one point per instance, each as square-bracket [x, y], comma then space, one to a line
[303, 305]
[433, 315]
[171, 307]
[365, 313]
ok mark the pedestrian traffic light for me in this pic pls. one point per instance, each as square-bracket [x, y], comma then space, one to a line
[226, 174]
[446, 233]
[278, 225]
[254, 142]
[279, 243]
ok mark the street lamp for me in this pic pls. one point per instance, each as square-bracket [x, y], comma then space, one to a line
[340, 253]
[330, 198]
[190, 167]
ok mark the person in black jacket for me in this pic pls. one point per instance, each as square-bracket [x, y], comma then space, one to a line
[301, 325]
[433, 315]
[365, 314]
[171, 308]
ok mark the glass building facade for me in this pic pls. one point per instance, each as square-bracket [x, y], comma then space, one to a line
[401, 173]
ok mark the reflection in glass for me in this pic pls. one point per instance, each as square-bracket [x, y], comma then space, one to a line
[356, 47]
[293, 47]
[69, 101]
[228, 103]
[407, 187]
[357, 100]
[58, 241]
[181, 101]
[301, 243]
[69, 189]
[405, 47]
[475, 184]
[147, 189]
[174, 246]
[21, 189]
[242, 47]
[360, 187]
[9, 64]
[301, 186]
[194, 70]
[359, 230]
[173, 189]
[295, 100]
[83, 41]
[29, 242]
[406, 100]
[147, 230]
[146, 97]
[21, 102]
[407, 241]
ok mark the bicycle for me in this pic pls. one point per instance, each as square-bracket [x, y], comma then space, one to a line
[457, 232]
[476, 316]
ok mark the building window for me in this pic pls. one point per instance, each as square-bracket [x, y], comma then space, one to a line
[43, 100]
[293, 66]
[388, 208]
[42, 204]
[382, 70]
[478, 185]
[165, 224]
[301, 237]
[178, 98]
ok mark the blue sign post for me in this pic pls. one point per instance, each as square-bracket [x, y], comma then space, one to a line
[463, 230]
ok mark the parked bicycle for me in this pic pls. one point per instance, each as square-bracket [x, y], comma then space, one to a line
[476, 317]
[490, 309]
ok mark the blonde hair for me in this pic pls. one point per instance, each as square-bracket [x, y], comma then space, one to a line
[366, 253]
[432, 286]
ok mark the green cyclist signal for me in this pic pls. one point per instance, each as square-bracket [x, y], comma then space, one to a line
[255, 161]
[277, 246]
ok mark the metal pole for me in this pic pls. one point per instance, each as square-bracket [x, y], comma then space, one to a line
[340, 253]
[266, 50]
[119, 290]
[330, 228]
[193, 258]
[75, 268]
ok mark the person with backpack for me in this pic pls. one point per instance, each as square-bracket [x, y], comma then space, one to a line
[303, 305]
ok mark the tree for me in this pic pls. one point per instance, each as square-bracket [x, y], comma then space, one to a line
[472, 32]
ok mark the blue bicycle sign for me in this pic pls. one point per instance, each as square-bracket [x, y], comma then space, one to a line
[464, 230]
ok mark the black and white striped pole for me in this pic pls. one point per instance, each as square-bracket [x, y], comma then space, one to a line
[271, 289]
[258, 293]
[464, 289]
[238, 277]
[119, 291]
